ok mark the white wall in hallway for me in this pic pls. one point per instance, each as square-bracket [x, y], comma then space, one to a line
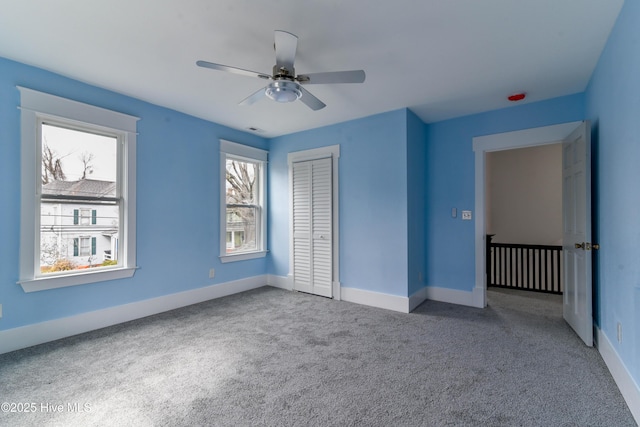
[524, 195]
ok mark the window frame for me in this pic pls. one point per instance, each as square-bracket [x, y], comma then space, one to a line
[86, 216]
[38, 107]
[233, 150]
[81, 246]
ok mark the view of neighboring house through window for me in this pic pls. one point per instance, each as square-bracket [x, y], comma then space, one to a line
[242, 202]
[79, 200]
[243, 208]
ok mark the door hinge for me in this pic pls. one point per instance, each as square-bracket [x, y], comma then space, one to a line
[587, 246]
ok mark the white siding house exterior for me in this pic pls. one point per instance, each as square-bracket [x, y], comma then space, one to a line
[84, 233]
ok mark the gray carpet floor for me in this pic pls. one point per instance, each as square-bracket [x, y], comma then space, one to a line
[270, 357]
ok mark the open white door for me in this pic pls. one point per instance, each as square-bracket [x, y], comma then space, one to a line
[576, 224]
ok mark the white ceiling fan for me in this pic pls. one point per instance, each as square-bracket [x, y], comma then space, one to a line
[285, 85]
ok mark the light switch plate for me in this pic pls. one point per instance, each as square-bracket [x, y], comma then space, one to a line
[466, 215]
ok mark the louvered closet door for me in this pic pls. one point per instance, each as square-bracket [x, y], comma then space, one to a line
[312, 227]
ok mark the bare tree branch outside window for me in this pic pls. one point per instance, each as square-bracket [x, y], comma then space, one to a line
[241, 204]
[51, 165]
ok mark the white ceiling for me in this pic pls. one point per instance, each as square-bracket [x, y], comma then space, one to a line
[441, 58]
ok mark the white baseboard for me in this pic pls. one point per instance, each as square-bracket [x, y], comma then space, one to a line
[375, 299]
[282, 282]
[358, 296]
[452, 296]
[625, 382]
[38, 333]
[479, 297]
[418, 298]
[394, 302]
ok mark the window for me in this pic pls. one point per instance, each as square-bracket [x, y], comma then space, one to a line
[78, 193]
[242, 202]
[87, 216]
[84, 246]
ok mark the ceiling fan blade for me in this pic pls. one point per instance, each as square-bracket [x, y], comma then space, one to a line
[355, 76]
[286, 45]
[311, 101]
[253, 98]
[233, 70]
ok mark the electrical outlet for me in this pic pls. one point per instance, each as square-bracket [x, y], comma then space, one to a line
[454, 213]
[466, 215]
[619, 332]
[0, 310]
[212, 273]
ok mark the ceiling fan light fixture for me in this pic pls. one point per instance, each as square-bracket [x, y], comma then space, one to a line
[285, 85]
[283, 91]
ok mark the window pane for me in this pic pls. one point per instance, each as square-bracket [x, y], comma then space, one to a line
[85, 248]
[241, 229]
[70, 156]
[85, 216]
[82, 166]
[242, 185]
[243, 212]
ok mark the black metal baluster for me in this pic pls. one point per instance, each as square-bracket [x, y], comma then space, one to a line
[559, 273]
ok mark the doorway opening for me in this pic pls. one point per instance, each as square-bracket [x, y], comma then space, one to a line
[524, 219]
[575, 137]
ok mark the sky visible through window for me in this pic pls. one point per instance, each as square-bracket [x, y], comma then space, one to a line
[70, 146]
[251, 170]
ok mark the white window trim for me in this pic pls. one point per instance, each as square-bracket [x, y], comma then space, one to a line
[34, 106]
[250, 154]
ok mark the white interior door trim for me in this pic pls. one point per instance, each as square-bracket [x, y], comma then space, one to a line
[498, 142]
[332, 151]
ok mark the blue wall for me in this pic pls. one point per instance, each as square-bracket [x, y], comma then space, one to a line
[373, 200]
[450, 182]
[177, 203]
[613, 105]
[416, 201]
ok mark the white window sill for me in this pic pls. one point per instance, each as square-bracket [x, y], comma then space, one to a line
[242, 256]
[73, 279]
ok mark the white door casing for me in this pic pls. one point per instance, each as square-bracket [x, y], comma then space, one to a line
[576, 228]
[504, 141]
[313, 258]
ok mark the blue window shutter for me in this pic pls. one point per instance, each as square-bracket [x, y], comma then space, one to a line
[93, 217]
[76, 215]
[75, 246]
[93, 245]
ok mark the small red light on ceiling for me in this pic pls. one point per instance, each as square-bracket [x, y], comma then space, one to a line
[517, 97]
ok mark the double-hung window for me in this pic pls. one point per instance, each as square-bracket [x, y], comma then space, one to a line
[242, 202]
[78, 193]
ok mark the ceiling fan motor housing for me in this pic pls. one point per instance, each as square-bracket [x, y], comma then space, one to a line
[283, 91]
[283, 72]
